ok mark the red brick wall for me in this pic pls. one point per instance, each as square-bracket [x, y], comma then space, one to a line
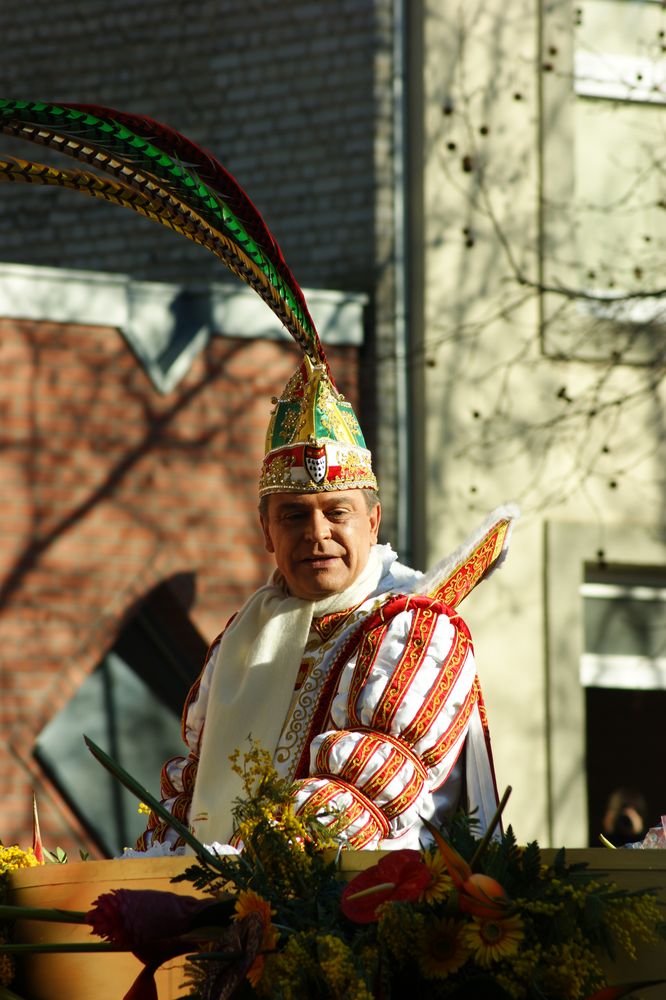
[108, 489]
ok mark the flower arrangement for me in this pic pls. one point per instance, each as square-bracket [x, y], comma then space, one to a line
[466, 917]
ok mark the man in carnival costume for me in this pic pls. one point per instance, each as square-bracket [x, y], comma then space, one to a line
[356, 672]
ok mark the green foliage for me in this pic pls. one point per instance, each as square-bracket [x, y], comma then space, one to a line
[57, 857]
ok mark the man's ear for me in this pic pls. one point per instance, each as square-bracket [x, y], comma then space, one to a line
[375, 520]
[268, 543]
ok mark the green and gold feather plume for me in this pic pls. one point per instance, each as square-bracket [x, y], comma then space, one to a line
[162, 175]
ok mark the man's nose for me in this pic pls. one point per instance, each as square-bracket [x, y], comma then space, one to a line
[318, 528]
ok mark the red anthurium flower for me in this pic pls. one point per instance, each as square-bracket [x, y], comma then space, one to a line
[148, 923]
[401, 875]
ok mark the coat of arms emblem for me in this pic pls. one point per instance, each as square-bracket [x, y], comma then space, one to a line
[315, 463]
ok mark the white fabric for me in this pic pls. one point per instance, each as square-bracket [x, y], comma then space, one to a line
[259, 657]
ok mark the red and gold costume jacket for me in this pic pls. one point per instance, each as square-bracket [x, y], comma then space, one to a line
[387, 722]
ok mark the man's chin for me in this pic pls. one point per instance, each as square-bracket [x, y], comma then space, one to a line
[317, 584]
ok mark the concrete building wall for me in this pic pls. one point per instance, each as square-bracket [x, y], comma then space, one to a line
[531, 391]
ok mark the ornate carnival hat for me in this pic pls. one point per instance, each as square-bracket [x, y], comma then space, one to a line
[314, 441]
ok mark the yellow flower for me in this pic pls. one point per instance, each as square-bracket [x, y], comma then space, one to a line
[338, 969]
[400, 927]
[14, 857]
[441, 884]
[569, 970]
[441, 948]
[251, 902]
[6, 970]
[143, 809]
[490, 940]
[289, 971]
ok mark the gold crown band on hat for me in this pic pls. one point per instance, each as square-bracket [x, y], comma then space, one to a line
[314, 443]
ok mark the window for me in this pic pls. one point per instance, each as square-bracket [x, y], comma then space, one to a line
[623, 670]
[625, 628]
[130, 706]
[604, 222]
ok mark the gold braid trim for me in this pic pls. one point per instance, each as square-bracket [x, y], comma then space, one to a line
[465, 577]
[439, 750]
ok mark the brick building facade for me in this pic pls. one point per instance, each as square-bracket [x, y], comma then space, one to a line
[130, 493]
[109, 491]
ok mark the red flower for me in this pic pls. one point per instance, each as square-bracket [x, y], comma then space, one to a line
[615, 992]
[149, 923]
[37, 846]
[401, 875]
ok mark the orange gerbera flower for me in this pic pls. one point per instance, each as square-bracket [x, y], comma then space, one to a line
[247, 902]
[491, 940]
[441, 948]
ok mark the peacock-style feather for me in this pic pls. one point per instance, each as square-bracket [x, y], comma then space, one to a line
[164, 176]
[159, 207]
[19, 171]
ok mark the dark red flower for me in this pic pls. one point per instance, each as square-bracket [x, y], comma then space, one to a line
[149, 923]
[401, 875]
[616, 992]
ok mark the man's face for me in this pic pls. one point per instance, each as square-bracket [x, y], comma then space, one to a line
[321, 541]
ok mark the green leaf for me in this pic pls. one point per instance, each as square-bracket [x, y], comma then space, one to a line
[144, 795]
[8, 912]
[57, 857]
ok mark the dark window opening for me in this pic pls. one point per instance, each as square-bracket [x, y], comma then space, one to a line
[624, 750]
[130, 705]
[623, 670]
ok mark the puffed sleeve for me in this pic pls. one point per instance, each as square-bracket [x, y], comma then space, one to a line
[179, 773]
[399, 717]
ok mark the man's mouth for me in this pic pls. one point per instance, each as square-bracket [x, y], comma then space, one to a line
[319, 562]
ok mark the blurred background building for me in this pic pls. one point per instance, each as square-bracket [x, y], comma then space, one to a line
[474, 201]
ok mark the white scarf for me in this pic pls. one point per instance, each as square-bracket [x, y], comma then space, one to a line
[253, 680]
